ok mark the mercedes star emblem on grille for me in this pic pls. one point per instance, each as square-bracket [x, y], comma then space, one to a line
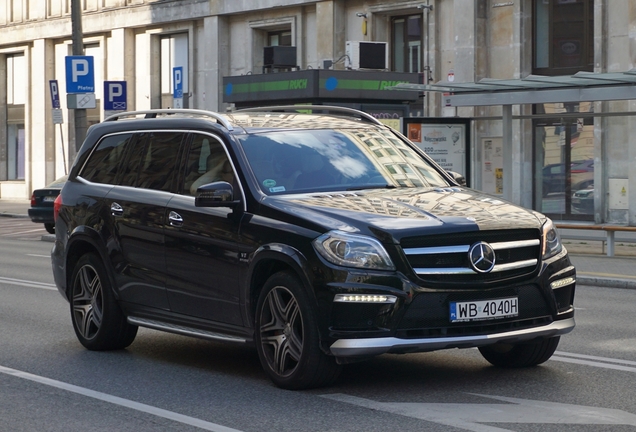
[482, 257]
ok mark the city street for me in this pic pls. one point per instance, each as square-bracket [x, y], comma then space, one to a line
[48, 381]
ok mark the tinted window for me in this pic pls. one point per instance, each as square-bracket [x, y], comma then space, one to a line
[157, 161]
[105, 162]
[207, 163]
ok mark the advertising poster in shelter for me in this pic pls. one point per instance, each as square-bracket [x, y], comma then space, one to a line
[492, 168]
[445, 143]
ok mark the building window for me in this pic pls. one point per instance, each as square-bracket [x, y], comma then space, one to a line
[14, 150]
[279, 38]
[407, 43]
[563, 36]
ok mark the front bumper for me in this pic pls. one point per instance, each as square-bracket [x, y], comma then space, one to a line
[375, 346]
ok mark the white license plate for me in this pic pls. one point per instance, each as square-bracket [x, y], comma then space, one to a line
[48, 198]
[484, 309]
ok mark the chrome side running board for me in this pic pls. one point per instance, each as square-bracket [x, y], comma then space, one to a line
[182, 330]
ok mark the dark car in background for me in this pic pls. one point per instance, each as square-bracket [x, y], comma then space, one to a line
[41, 210]
[583, 200]
[581, 176]
[316, 234]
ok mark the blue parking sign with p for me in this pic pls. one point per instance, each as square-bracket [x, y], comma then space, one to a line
[55, 93]
[177, 80]
[80, 74]
[115, 96]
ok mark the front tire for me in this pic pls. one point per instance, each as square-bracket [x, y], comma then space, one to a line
[98, 321]
[520, 355]
[287, 336]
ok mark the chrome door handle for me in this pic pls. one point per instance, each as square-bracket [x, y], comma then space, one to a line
[116, 209]
[175, 219]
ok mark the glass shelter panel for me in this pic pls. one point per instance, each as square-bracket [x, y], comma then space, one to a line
[564, 169]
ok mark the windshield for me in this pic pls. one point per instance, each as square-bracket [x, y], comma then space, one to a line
[329, 160]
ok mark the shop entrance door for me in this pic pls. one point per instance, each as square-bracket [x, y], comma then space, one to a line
[564, 168]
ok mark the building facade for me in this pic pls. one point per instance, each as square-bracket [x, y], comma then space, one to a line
[569, 160]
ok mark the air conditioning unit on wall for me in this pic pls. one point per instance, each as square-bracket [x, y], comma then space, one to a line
[366, 55]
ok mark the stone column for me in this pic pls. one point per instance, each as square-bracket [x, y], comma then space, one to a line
[40, 139]
[147, 72]
[212, 62]
[330, 30]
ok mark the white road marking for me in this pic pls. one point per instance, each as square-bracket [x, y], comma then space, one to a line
[126, 403]
[589, 357]
[21, 232]
[39, 256]
[599, 362]
[470, 416]
[30, 284]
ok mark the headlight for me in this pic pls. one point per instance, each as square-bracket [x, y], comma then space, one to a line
[352, 250]
[551, 240]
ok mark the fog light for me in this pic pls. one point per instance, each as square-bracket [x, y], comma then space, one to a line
[364, 298]
[562, 282]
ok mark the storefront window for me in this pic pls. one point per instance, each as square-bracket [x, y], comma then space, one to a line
[563, 36]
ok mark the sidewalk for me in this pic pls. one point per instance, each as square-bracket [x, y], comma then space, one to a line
[593, 267]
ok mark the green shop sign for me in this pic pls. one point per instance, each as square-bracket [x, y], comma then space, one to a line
[318, 85]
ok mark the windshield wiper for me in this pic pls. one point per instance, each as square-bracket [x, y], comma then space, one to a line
[363, 187]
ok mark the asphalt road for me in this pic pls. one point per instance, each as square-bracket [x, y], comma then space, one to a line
[162, 382]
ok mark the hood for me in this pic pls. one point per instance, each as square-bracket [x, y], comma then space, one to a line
[394, 214]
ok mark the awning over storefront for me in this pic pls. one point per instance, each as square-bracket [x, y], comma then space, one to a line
[533, 89]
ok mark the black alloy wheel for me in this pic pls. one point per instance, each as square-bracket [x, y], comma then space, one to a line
[98, 321]
[287, 336]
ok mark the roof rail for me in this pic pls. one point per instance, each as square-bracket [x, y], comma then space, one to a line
[343, 110]
[153, 114]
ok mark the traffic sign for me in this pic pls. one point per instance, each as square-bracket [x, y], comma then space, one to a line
[80, 74]
[58, 116]
[177, 80]
[115, 98]
[55, 93]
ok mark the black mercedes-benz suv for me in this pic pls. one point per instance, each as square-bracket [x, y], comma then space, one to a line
[317, 234]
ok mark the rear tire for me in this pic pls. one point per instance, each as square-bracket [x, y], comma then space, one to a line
[287, 338]
[50, 228]
[520, 355]
[97, 319]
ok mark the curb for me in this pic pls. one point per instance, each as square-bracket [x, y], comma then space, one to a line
[606, 282]
[13, 215]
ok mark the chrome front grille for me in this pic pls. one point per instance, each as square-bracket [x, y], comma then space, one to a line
[445, 258]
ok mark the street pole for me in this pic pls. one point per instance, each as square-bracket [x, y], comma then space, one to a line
[78, 49]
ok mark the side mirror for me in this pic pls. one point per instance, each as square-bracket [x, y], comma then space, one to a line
[217, 194]
[460, 179]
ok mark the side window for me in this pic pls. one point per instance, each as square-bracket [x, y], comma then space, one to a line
[157, 161]
[106, 160]
[207, 162]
